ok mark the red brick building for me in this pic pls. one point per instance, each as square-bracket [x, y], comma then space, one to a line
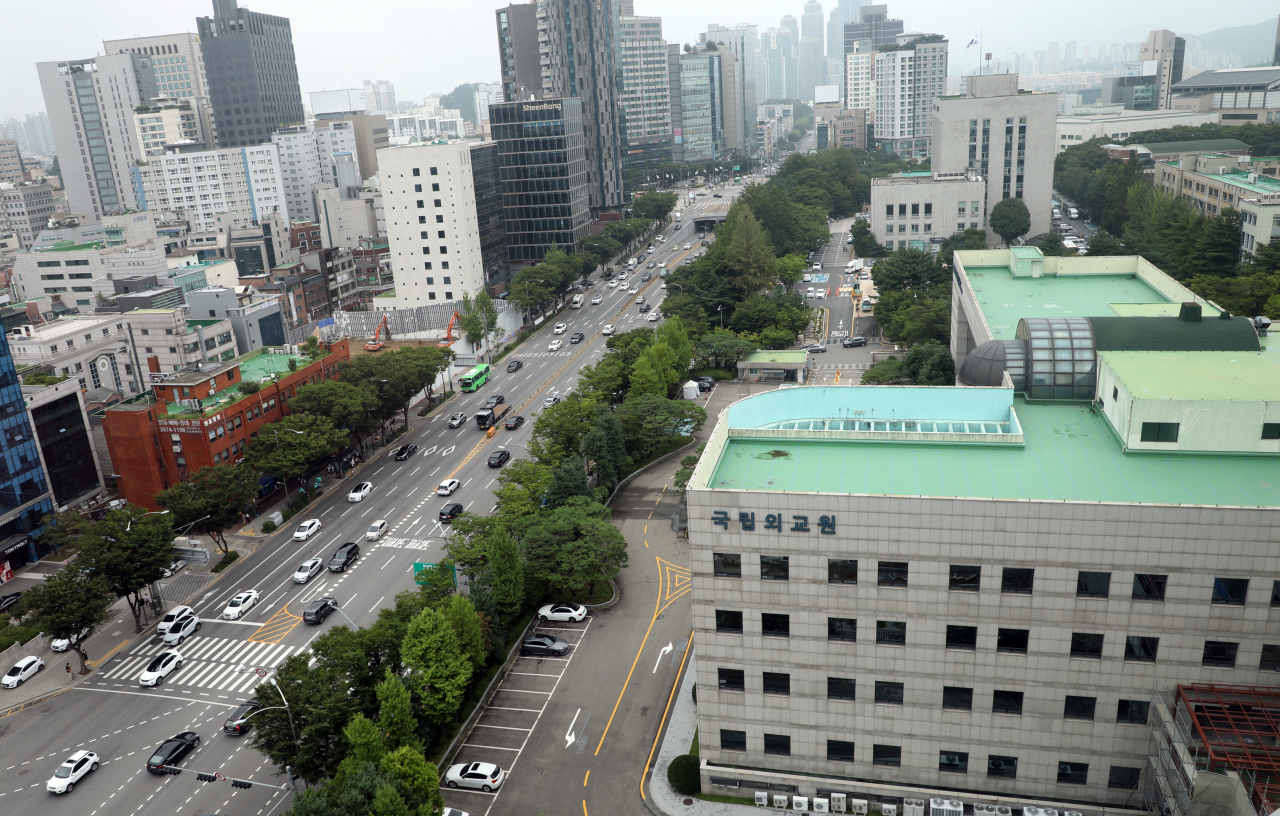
[197, 417]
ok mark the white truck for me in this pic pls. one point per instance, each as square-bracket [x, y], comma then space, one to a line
[577, 301]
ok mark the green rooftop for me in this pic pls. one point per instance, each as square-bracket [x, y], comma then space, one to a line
[204, 324]
[1198, 375]
[256, 367]
[69, 246]
[792, 356]
[1070, 454]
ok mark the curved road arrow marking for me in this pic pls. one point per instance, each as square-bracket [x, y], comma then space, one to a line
[569, 738]
[662, 653]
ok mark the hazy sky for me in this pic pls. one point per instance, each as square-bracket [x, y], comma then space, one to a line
[430, 46]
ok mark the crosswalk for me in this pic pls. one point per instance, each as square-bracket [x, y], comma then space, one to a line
[220, 664]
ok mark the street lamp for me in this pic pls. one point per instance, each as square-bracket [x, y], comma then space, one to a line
[277, 431]
[129, 526]
[678, 286]
[343, 614]
[720, 309]
[289, 713]
[185, 526]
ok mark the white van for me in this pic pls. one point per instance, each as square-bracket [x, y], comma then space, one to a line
[631, 263]
[577, 301]
[1074, 213]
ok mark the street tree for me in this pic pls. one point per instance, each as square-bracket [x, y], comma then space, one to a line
[530, 288]
[396, 723]
[1010, 219]
[908, 269]
[655, 206]
[419, 779]
[212, 501]
[569, 479]
[461, 614]
[575, 547]
[604, 450]
[69, 603]
[478, 318]
[1051, 245]
[129, 549]
[468, 546]
[559, 429]
[292, 445]
[352, 406]
[1101, 243]
[721, 348]
[439, 671]
[388, 802]
[748, 255]
[653, 423]
[507, 574]
[603, 381]
[647, 379]
[522, 486]
[791, 268]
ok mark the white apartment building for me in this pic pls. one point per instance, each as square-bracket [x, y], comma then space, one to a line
[169, 339]
[859, 76]
[167, 121]
[379, 96]
[643, 84]
[905, 84]
[93, 349]
[486, 94]
[66, 261]
[25, 208]
[90, 104]
[918, 210]
[175, 60]
[199, 184]
[307, 161]
[433, 231]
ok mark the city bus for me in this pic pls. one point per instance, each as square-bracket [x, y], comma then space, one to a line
[475, 378]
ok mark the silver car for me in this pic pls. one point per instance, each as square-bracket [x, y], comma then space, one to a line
[309, 569]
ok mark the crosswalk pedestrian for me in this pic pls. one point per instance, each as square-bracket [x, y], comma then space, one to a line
[223, 664]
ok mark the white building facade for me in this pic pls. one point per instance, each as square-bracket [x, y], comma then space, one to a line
[919, 210]
[643, 85]
[244, 184]
[905, 84]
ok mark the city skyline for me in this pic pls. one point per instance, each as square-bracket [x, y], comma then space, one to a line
[319, 39]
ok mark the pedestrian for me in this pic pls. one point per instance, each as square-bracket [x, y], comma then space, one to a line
[68, 669]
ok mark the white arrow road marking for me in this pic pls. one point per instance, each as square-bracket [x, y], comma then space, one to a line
[569, 738]
[661, 653]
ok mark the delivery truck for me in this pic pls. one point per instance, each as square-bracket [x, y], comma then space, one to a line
[489, 417]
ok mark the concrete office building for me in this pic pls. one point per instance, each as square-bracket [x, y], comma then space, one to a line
[874, 24]
[988, 595]
[1237, 95]
[915, 210]
[1212, 182]
[544, 176]
[92, 350]
[743, 41]
[65, 262]
[251, 72]
[433, 230]
[256, 321]
[697, 105]
[380, 97]
[778, 78]
[25, 208]
[812, 50]
[175, 60]
[90, 104]
[234, 187]
[11, 159]
[345, 221]
[1008, 137]
[1166, 50]
[167, 121]
[644, 91]
[308, 160]
[905, 85]
[1081, 127]
[836, 126]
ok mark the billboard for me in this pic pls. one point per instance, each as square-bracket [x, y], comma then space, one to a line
[826, 93]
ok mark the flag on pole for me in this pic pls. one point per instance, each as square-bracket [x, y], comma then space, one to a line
[972, 42]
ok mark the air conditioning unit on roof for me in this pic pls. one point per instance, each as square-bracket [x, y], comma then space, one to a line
[888, 810]
[800, 804]
[762, 798]
[780, 800]
[821, 806]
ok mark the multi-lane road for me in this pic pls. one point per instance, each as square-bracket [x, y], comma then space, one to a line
[122, 722]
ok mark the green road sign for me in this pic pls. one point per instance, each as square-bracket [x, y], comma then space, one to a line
[420, 572]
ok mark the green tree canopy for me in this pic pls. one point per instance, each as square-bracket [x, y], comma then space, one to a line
[68, 603]
[439, 670]
[127, 550]
[352, 406]
[292, 445]
[1010, 219]
[212, 500]
[574, 547]
[656, 206]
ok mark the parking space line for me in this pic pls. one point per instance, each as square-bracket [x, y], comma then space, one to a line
[489, 747]
[503, 727]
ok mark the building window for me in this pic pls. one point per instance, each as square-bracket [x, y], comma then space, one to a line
[965, 579]
[962, 637]
[1017, 580]
[1219, 653]
[1149, 587]
[1142, 649]
[774, 567]
[1093, 584]
[1270, 658]
[839, 751]
[433, 171]
[953, 761]
[435, 188]
[774, 625]
[891, 633]
[1275, 593]
[1271, 430]
[841, 688]
[1073, 773]
[890, 755]
[777, 744]
[1012, 640]
[1006, 702]
[727, 565]
[1230, 591]
[1124, 778]
[1159, 432]
[1085, 644]
[956, 698]
[777, 683]
[1004, 766]
[417, 171]
[733, 740]
[842, 571]
[892, 573]
[845, 629]
[1132, 712]
[1079, 708]
[732, 679]
[728, 622]
[889, 693]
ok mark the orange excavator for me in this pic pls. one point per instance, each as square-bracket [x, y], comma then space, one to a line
[448, 337]
[376, 342]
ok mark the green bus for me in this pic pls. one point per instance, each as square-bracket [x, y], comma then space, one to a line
[475, 378]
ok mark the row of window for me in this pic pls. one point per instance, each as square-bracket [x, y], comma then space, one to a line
[1013, 580]
[1069, 773]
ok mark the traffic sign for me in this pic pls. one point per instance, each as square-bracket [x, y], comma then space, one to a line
[219, 777]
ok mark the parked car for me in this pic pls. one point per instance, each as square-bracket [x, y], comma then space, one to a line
[450, 511]
[562, 612]
[499, 458]
[405, 451]
[318, 610]
[516, 365]
[6, 601]
[63, 644]
[360, 491]
[496, 399]
[816, 348]
[376, 530]
[160, 667]
[850, 342]
[515, 422]
[23, 670]
[806, 278]
[308, 570]
[544, 645]
[447, 487]
[172, 750]
[483, 776]
[77, 767]
[344, 557]
[238, 722]
[457, 419]
[306, 529]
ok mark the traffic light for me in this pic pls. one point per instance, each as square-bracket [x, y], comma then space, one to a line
[205, 777]
[169, 769]
[240, 783]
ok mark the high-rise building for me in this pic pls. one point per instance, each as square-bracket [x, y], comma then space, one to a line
[1275, 60]
[906, 83]
[1007, 137]
[1053, 59]
[308, 160]
[813, 58]
[25, 499]
[1166, 50]
[380, 97]
[1069, 57]
[175, 59]
[26, 207]
[545, 175]
[697, 104]
[90, 104]
[576, 51]
[33, 136]
[743, 42]
[777, 64]
[859, 80]
[10, 163]
[873, 24]
[251, 71]
[791, 26]
[166, 121]
[644, 90]
[240, 188]
[843, 13]
[485, 94]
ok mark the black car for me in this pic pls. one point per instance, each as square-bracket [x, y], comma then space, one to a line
[646, 277]
[717, 195]
[577, 337]
[514, 365]
[345, 556]
[405, 451]
[237, 723]
[850, 342]
[450, 511]
[544, 645]
[705, 386]
[515, 422]
[499, 458]
[9, 600]
[319, 610]
[172, 750]
[496, 399]
[644, 307]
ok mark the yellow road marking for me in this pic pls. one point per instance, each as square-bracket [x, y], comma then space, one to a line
[274, 630]
[585, 778]
[93, 664]
[674, 686]
[650, 514]
[584, 808]
[646, 528]
[646, 545]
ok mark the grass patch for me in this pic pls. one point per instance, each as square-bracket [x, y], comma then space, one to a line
[227, 560]
[11, 634]
[728, 800]
[603, 592]
[693, 749]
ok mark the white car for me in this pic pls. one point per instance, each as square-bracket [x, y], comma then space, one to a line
[375, 531]
[175, 614]
[662, 264]
[240, 604]
[306, 529]
[654, 317]
[72, 771]
[309, 569]
[688, 246]
[63, 644]
[560, 328]
[181, 630]
[597, 300]
[555, 345]
[806, 278]
[820, 294]
[607, 330]
[633, 290]
[483, 776]
[613, 284]
[562, 612]
[808, 292]
[663, 286]
[359, 492]
[817, 267]
[23, 670]
[447, 487]
[164, 664]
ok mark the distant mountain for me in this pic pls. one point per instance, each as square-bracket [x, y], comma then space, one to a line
[1255, 43]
